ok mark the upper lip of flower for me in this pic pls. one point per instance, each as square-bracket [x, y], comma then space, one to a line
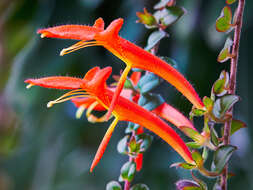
[94, 85]
[132, 55]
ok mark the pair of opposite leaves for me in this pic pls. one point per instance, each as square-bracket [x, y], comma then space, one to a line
[94, 83]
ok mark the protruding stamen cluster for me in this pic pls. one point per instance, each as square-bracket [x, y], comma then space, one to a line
[79, 45]
[68, 96]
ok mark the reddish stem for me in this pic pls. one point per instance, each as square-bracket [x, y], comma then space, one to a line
[232, 87]
[127, 183]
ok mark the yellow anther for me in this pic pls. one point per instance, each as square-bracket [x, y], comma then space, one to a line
[50, 104]
[29, 86]
[43, 35]
[79, 112]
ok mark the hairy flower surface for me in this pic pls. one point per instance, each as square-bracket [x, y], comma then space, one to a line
[94, 85]
[132, 55]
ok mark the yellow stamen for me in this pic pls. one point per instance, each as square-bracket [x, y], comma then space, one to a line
[79, 112]
[29, 86]
[68, 96]
[91, 118]
[43, 35]
[79, 45]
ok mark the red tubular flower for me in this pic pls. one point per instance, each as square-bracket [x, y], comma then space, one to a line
[138, 160]
[94, 85]
[132, 55]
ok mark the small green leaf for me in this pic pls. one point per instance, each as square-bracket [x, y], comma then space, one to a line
[223, 104]
[218, 87]
[150, 101]
[150, 86]
[183, 165]
[169, 60]
[205, 153]
[139, 187]
[169, 15]
[214, 137]
[229, 2]
[225, 52]
[134, 147]
[221, 157]
[186, 184]
[223, 23]
[195, 135]
[197, 112]
[208, 102]
[197, 158]
[192, 188]
[122, 146]
[128, 170]
[154, 38]
[164, 3]
[236, 125]
[113, 185]
[146, 141]
[217, 186]
[130, 127]
[147, 19]
[202, 184]
[128, 84]
[146, 83]
[221, 86]
[194, 145]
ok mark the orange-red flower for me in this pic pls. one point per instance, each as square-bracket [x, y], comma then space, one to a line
[132, 55]
[164, 111]
[94, 85]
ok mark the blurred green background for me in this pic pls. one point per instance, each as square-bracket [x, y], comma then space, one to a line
[48, 149]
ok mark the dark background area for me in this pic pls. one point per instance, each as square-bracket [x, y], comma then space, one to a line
[48, 149]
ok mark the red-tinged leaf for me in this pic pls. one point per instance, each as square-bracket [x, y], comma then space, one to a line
[225, 52]
[229, 2]
[214, 137]
[223, 104]
[155, 38]
[221, 157]
[56, 82]
[169, 15]
[221, 86]
[236, 125]
[128, 170]
[113, 185]
[192, 133]
[208, 102]
[223, 23]
[145, 140]
[202, 184]
[197, 158]
[183, 165]
[139, 186]
[194, 145]
[164, 3]
[122, 146]
[185, 184]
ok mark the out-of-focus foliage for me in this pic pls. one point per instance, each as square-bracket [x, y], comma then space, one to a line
[48, 148]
